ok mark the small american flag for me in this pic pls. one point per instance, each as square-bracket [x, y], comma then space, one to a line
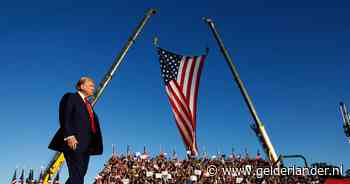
[181, 76]
[14, 178]
[41, 179]
[21, 178]
[57, 178]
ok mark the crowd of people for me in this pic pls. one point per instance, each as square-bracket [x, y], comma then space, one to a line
[142, 169]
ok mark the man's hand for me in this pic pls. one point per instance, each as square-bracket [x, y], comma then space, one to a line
[72, 143]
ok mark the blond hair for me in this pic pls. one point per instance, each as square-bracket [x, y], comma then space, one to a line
[81, 81]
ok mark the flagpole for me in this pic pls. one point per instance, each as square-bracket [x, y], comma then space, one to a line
[266, 140]
[58, 159]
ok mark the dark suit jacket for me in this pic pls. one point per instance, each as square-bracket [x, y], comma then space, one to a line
[74, 120]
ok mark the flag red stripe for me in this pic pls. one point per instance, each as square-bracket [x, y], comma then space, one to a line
[186, 119]
[184, 68]
[194, 86]
[187, 139]
[196, 92]
[189, 82]
[187, 73]
[178, 92]
[180, 106]
[182, 61]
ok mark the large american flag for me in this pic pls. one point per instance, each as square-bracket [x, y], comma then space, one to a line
[181, 76]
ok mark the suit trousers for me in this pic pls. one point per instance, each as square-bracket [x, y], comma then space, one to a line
[77, 163]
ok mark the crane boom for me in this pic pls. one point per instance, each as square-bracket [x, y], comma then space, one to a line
[258, 126]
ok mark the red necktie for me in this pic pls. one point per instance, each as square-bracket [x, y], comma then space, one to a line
[91, 114]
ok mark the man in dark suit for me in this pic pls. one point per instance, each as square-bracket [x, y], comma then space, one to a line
[79, 135]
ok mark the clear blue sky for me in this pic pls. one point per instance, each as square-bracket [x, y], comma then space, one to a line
[293, 56]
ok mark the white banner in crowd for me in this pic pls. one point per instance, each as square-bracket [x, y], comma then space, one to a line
[149, 174]
[144, 157]
[193, 178]
[158, 175]
[125, 181]
[239, 180]
[197, 172]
